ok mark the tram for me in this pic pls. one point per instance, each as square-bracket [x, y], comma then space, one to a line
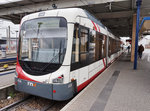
[61, 51]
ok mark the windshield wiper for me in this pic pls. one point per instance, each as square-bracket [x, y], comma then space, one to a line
[54, 58]
[52, 61]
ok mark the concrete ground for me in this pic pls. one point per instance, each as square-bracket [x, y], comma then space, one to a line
[118, 88]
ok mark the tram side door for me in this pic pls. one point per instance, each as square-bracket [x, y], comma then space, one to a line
[84, 54]
[80, 53]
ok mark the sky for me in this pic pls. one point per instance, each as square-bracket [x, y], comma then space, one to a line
[123, 39]
[145, 40]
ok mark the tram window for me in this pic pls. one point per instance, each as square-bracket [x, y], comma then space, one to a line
[110, 46]
[92, 45]
[83, 44]
[99, 39]
[119, 46]
[75, 47]
[116, 46]
[113, 46]
[80, 47]
[83, 40]
[62, 23]
[104, 46]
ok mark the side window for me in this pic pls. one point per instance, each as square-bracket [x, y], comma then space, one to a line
[92, 45]
[104, 46]
[80, 47]
[119, 45]
[110, 47]
[83, 44]
[88, 47]
[99, 45]
[113, 46]
[75, 47]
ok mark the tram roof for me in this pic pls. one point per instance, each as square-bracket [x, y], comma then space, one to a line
[73, 14]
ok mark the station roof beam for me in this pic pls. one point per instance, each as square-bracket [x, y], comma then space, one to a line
[109, 12]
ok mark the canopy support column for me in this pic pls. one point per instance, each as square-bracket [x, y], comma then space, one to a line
[133, 38]
[138, 4]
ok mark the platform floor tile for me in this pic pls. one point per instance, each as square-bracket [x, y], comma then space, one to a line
[130, 92]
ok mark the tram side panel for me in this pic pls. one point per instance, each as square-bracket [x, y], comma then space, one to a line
[96, 62]
[88, 55]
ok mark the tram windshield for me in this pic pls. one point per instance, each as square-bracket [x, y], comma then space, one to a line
[43, 40]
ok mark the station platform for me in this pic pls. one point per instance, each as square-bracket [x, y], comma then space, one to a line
[8, 58]
[9, 55]
[118, 88]
[7, 79]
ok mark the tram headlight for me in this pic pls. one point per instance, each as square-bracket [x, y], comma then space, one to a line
[59, 79]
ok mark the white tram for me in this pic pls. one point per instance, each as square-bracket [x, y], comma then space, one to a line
[61, 51]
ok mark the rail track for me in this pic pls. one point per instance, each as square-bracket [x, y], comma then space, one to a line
[11, 66]
[3, 71]
[15, 104]
[8, 62]
[46, 108]
[24, 104]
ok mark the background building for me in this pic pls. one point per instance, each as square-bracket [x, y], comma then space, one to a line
[8, 35]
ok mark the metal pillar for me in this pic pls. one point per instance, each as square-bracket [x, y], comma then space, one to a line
[8, 38]
[16, 40]
[138, 4]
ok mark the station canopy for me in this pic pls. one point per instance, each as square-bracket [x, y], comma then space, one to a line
[145, 26]
[117, 15]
